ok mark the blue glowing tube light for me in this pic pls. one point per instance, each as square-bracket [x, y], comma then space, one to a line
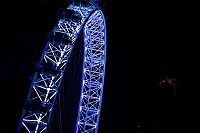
[51, 67]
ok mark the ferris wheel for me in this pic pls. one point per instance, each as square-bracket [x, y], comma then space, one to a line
[79, 19]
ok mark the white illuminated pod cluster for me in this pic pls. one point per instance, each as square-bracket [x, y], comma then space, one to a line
[51, 68]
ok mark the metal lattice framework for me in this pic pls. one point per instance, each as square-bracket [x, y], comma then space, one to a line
[93, 74]
[51, 69]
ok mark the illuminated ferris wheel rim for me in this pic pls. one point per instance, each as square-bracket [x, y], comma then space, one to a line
[47, 79]
[96, 73]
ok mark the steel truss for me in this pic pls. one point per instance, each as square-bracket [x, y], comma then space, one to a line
[50, 70]
[93, 74]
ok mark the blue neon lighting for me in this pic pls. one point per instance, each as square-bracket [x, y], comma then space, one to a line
[48, 77]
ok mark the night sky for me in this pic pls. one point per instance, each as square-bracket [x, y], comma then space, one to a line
[147, 41]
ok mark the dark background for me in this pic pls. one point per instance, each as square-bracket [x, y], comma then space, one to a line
[146, 40]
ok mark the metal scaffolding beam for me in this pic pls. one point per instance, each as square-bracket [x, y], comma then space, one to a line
[51, 68]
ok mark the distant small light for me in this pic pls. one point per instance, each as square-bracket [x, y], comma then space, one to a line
[139, 126]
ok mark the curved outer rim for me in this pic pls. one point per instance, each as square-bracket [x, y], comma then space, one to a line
[104, 61]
